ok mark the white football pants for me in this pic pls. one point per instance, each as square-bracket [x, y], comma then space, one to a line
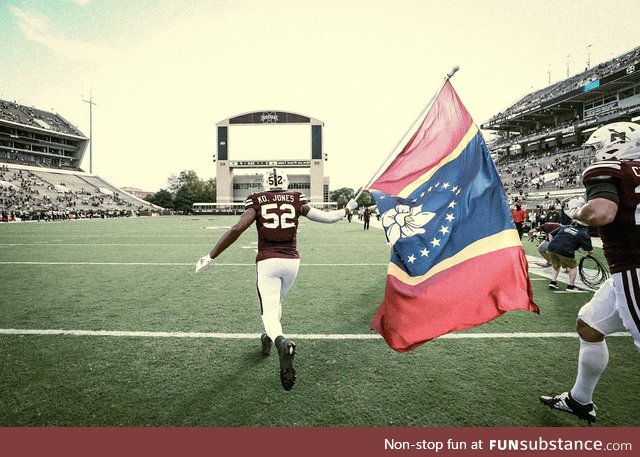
[274, 278]
[615, 307]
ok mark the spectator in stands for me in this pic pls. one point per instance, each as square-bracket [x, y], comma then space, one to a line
[565, 241]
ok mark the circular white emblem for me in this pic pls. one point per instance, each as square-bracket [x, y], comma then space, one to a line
[269, 118]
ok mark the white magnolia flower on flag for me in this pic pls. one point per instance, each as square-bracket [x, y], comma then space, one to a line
[404, 221]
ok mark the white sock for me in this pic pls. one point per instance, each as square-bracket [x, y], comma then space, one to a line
[592, 361]
[272, 325]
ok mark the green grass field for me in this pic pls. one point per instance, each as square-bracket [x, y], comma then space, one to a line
[137, 275]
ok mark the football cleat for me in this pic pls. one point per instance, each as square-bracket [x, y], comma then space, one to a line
[266, 344]
[286, 350]
[573, 289]
[553, 285]
[565, 402]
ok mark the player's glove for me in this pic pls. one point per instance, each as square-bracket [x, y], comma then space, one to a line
[203, 262]
[573, 205]
[352, 205]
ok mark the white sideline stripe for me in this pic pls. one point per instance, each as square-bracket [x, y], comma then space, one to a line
[299, 336]
[193, 264]
[97, 244]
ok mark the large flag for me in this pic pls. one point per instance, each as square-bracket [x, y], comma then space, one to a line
[456, 258]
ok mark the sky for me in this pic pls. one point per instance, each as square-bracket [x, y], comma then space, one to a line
[162, 73]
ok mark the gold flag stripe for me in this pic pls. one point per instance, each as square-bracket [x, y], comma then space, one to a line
[505, 239]
[404, 193]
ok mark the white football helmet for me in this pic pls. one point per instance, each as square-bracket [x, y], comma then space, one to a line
[275, 179]
[616, 141]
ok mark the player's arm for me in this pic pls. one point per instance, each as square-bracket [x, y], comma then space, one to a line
[233, 233]
[597, 212]
[327, 217]
[228, 237]
[602, 204]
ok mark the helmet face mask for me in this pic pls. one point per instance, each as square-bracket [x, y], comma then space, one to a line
[616, 141]
[275, 179]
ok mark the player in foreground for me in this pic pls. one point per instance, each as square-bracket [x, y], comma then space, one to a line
[275, 212]
[612, 206]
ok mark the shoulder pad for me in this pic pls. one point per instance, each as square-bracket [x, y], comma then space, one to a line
[249, 200]
[602, 170]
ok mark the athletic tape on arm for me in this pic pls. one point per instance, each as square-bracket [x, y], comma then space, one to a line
[326, 217]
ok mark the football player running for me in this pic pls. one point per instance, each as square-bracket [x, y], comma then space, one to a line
[613, 205]
[275, 211]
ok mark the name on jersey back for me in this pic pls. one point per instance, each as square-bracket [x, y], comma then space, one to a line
[276, 198]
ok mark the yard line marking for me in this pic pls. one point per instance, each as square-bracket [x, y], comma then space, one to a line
[37, 244]
[192, 263]
[252, 243]
[298, 336]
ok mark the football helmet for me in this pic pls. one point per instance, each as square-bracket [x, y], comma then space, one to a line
[616, 141]
[275, 179]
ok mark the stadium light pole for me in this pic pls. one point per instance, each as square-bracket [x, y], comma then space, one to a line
[568, 62]
[549, 73]
[589, 56]
[91, 104]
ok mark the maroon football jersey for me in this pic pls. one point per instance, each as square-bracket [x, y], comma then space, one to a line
[277, 214]
[620, 238]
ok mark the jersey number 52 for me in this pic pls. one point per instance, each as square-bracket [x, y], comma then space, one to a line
[273, 220]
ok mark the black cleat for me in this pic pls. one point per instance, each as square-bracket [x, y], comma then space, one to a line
[266, 344]
[553, 285]
[565, 402]
[286, 350]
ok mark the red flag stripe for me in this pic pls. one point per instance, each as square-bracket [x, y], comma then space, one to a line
[504, 239]
[412, 315]
[441, 131]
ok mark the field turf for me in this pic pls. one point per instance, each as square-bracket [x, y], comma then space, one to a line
[104, 323]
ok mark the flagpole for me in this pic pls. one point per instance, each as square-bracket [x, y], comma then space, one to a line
[449, 75]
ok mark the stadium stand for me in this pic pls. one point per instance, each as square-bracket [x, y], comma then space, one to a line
[537, 141]
[40, 174]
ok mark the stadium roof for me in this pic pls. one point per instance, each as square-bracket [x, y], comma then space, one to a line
[563, 101]
[31, 117]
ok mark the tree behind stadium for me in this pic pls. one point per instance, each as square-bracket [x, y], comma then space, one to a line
[184, 190]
